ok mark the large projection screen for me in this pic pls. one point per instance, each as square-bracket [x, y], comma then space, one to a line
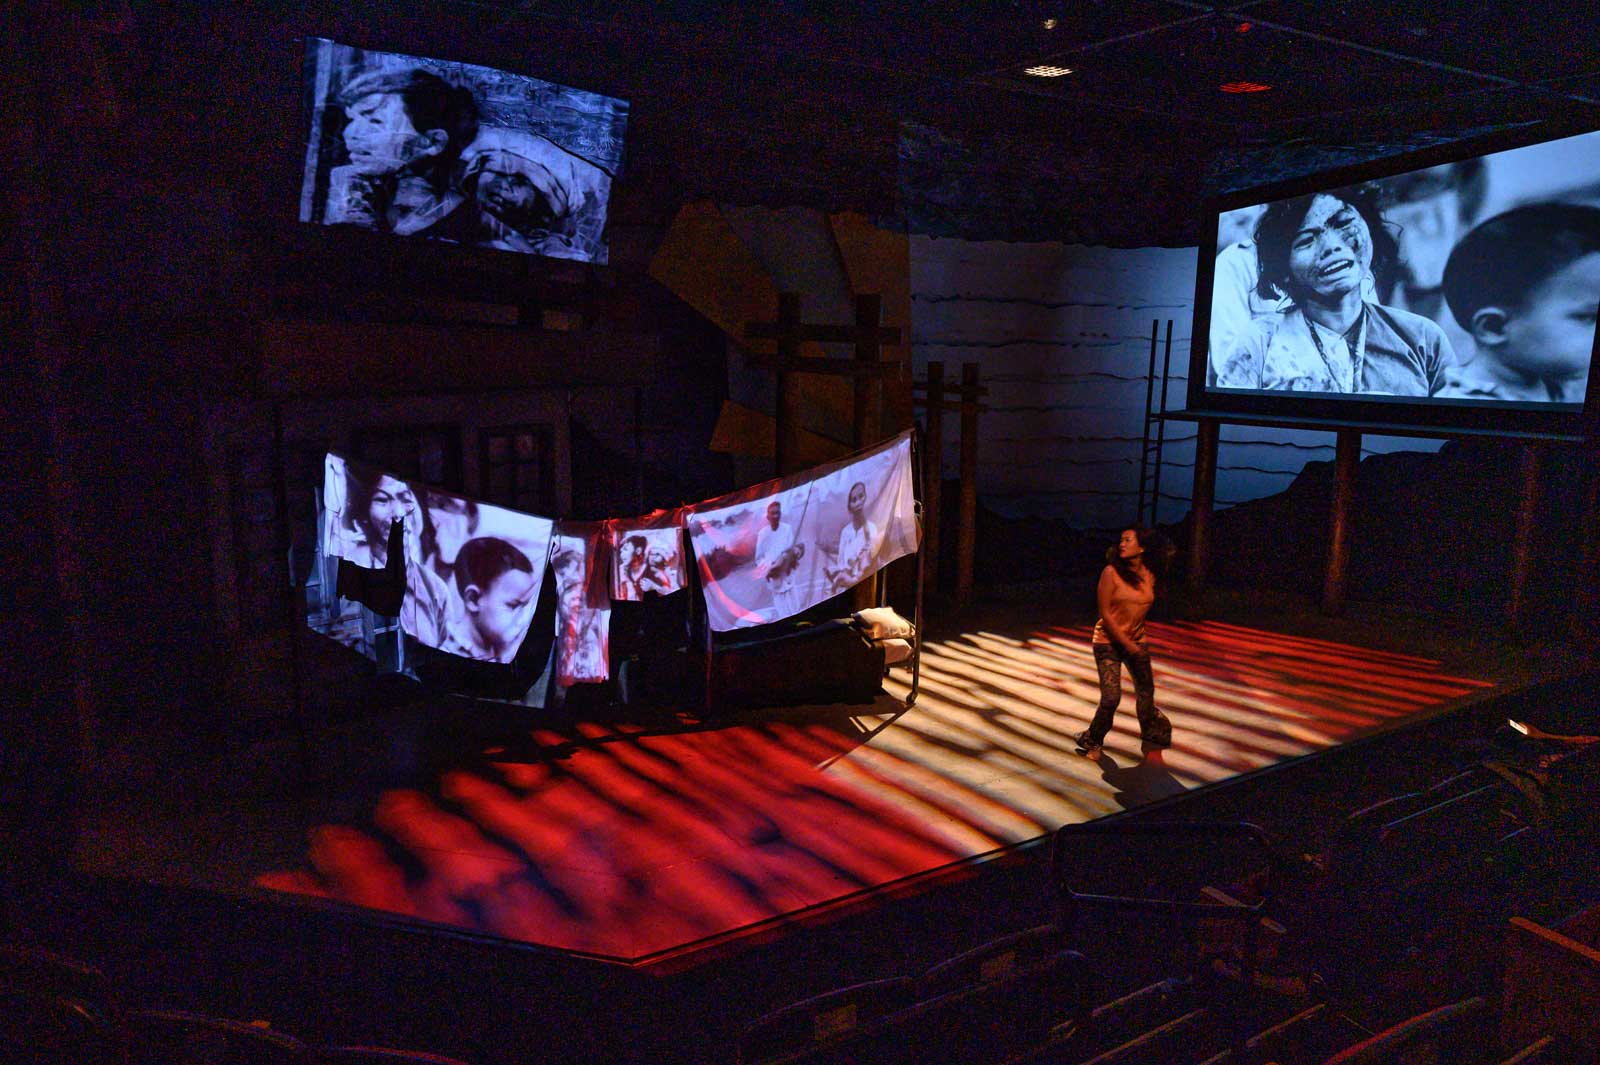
[455, 152]
[1446, 290]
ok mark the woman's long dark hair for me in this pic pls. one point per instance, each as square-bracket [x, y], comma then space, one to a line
[1158, 552]
[360, 485]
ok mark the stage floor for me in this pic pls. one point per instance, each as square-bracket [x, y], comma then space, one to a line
[638, 843]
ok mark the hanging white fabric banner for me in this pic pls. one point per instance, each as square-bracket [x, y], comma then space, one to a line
[579, 559]
[473, 570]
[647, 555]
[773, 550]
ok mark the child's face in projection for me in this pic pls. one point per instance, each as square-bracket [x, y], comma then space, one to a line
[393, 500]
[1551, 335]
[500, 611]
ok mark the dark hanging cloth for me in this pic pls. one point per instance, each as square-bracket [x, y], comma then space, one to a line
[379, 590]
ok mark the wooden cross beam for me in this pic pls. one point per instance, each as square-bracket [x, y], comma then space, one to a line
[866, 328]
[868, 367]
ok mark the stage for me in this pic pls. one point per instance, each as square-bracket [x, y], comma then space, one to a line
[648, 841]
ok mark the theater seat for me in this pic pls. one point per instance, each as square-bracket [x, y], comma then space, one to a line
[175, 1037]
[364, 1055]
[46, 1029]
[856, 1025]
[55, 1010]
[1458, 1033]
[1012, 996]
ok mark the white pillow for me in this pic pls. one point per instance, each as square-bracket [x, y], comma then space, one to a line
[895, 651]
[882, 623]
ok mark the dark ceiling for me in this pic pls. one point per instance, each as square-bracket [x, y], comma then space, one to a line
[918, 113]
[1121, 150]
[1332, 70]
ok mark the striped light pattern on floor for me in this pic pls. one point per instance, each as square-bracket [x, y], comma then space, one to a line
[631, 843]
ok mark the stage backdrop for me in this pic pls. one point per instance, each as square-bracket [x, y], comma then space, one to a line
[1063, 335]
[472, 570]
[771, 551]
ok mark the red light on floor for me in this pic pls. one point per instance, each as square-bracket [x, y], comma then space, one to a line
[1238, 87]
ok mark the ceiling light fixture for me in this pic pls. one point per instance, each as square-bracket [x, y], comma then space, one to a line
[1045, 70]
[1240, 87]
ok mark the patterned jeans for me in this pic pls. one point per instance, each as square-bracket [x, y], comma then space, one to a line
[1110, 658]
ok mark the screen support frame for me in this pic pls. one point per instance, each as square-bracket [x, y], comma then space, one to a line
[1348, 456]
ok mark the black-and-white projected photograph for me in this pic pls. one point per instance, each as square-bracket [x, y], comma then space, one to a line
[457, 152]
[805, 539]
[583, 604]
[1475, 281]
[472, 571]
[645, 560]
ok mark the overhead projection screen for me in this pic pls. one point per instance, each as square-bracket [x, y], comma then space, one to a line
[455, 152]
[1454, 288]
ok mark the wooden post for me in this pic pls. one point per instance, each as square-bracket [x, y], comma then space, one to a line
[869, 308]
[867, 367]
[789, 333]
[1522, 547]
[1205, 493]
[933, 472]
[1144, 447]
[786, 446]
[967, 534]
[1161, 431]
[711, 668]
[1347, 455]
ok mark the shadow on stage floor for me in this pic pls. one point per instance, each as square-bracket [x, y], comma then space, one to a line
[643, 840]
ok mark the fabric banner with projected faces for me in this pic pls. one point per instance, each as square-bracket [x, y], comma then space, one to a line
[647, 555]
[472, 570]
[789, 544]
[579, 560]
[448, 151]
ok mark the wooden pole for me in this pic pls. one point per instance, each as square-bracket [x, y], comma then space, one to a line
[1347, 455]
[933, 473]
[1161, 431]
[967, 534]
[711, 668]
[786, 446]
[869, 308]
[1205, 493]
[1522, 547]
[1144, 446]
[916, 610]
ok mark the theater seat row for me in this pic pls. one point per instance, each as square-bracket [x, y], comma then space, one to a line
[59, 1011]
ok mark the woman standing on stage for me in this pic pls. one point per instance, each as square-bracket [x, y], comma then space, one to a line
[1127, 588]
